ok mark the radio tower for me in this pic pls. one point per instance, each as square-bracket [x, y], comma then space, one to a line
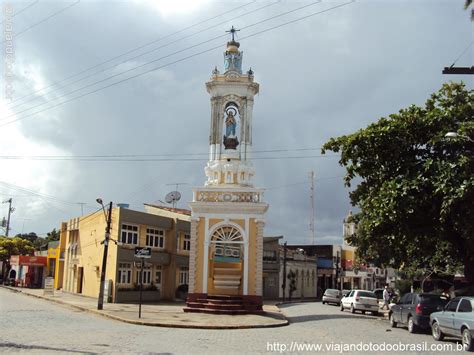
[311, 218]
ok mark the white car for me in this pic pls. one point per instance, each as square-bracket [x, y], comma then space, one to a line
[361, 300]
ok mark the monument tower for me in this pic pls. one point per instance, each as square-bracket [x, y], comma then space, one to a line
[227, 212]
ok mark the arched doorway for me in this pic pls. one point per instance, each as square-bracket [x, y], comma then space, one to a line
[226, 251]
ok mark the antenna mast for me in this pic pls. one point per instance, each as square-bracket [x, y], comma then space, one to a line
[174, 196]
[311, 218]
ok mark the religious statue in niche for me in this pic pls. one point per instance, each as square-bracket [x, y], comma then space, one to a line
[230, 139]
[230, 124]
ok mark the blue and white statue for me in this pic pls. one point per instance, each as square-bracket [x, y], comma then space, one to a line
[230, 125]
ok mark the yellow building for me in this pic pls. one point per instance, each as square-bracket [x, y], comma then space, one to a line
[227, 213]
[166, 273]
[55, 265]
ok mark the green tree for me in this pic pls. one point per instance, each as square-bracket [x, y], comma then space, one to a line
[53, 235]
[415, 188]
[28, 236]
[13, 246]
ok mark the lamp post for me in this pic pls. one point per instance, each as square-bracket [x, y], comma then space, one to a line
[100, 304]
[457, 135]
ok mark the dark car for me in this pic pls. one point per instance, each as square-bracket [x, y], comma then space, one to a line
[414, 310]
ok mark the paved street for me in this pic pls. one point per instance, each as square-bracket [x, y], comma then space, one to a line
[35, 325]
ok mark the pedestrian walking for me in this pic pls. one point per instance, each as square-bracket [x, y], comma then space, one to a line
[386, 297]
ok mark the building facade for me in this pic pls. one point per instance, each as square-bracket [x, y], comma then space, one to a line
[227, 219]
[271, 267]
[166, 273]
[300, 273]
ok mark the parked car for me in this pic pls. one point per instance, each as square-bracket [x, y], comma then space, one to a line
[332, 295]
[414, 310]
[378, 293]
[457, 320]
[360, 300]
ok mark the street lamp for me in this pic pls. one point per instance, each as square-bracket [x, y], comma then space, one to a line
[457, 135]
[100, 304]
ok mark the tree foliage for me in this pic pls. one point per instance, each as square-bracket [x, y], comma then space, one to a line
[14, 246]
[415, 187]
[38, 242]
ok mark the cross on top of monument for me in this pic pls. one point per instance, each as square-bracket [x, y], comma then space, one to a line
[232, 31]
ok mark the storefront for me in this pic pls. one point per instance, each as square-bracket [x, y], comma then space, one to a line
[30, 271]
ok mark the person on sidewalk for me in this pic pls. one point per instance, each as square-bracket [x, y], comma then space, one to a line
[386, 298]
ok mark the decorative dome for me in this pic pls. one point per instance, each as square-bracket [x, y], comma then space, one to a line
[233, 47]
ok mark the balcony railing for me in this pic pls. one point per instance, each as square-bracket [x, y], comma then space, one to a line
[205, 195]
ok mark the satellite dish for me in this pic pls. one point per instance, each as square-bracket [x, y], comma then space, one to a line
[173, 197]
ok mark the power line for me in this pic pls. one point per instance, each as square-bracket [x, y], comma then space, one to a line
[46, 19]
[159, 67]
[92, 159]
[462, 53]
[24, 9]
[145, 64]
[160, 58]
[52, 157]
[31, 192]
[124, 54]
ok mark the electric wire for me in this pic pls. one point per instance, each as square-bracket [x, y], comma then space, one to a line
[143, 155]
[462, 53]
[23, 189]
[45, 19]
[121, 55]
[153, 61]
[165, 65]
[72, 157]
[24, 9]
[187, 159]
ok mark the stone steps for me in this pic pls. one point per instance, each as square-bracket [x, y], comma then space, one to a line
[222, 304]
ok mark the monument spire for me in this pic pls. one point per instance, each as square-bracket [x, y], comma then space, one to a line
[232, 31]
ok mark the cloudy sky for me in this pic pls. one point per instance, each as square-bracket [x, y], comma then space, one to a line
[97, 81]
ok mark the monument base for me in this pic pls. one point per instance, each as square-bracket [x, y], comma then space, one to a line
[224, 304]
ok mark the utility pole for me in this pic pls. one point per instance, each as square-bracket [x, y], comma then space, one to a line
[311, 219]
[283, 285]
[10, 210]
[100, 304]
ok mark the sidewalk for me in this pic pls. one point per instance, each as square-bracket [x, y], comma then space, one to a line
[162, 314]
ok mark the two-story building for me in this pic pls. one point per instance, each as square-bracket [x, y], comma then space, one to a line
[166, 273]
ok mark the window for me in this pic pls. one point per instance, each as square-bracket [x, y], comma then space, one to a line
[465, 306]
[405, 299]
[129, 234]
[124, 273]
[155, 238]
[451, 307]
[158, 276]
[187, 242]
[146, 275]
[183, 275]
[269, 255]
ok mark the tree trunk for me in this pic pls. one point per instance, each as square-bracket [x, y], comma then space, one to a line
[469, 270]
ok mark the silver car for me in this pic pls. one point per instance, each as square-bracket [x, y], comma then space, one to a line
[457, 320]
[332, 295]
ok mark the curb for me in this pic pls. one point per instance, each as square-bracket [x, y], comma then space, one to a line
[284, 322]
